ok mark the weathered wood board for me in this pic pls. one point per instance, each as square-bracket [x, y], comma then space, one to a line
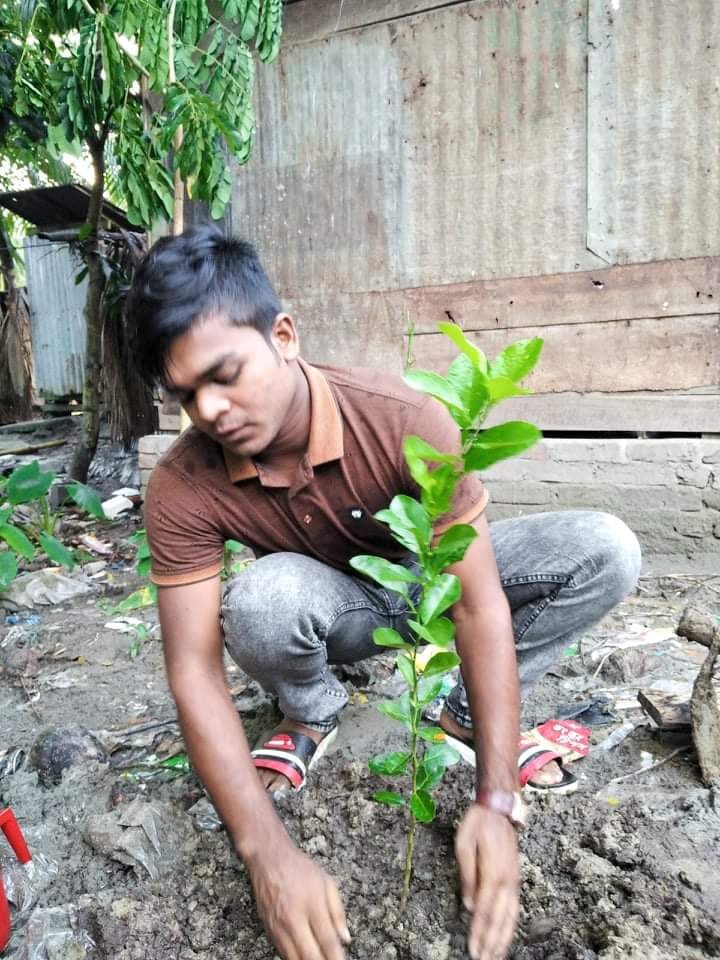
[674, 353]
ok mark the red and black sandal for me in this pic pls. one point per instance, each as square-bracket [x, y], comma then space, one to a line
[291, 754]
[531, 758]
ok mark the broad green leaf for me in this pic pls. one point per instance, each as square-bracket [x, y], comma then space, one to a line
[451, 547]
[438, 492]
[432, 734]
[428, 689]
[436, 760]
[472, 386]
[5, 514]
[392, 576]
[502, 388]
[517, 360]
[8, 568]
[440, 631]
[87, 498]
[438, 387]
[405, 667]
[415, 448]
[28, 483]
[429, 775]
[453, 331]
[442, 753]
[409, 522]
[17, 541]
[389, 798]
[441, 663]
[56, 551]
[499, 443]
[399, 710]
[387, 637]
[390, 764]
[443, 592]
[422, 806]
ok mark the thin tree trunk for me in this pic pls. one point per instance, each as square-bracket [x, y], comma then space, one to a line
[15, 361]
[87, 445]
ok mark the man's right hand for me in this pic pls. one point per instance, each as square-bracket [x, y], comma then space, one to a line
[300, 906]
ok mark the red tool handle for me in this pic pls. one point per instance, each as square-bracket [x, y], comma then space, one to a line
[13, 833]
[4, 917]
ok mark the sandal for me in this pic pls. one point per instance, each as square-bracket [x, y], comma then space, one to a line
[532, 757]
[291, 754]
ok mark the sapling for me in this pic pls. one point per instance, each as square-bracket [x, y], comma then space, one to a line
[25, 492]
[472, 387]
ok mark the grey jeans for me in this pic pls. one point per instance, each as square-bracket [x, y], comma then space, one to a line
[288, 617]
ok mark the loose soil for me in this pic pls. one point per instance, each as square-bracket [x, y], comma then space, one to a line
[620, 870]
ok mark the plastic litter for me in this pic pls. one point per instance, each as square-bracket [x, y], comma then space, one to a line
[11, 761]
[617, 736]
[204, 816]
[46, 586]
[116, 506]
[54, 933]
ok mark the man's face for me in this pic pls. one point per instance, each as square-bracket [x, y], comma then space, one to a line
[234, 386]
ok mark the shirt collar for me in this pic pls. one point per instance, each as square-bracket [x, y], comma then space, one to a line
[326, 429]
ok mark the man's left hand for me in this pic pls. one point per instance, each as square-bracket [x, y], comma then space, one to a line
[487, 855]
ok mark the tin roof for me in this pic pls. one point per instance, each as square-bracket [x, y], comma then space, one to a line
[59, 207]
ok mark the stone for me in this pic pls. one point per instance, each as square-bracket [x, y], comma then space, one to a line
[55, 750]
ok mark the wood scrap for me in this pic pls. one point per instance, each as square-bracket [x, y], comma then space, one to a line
[24, 448]
[671, 713]
[705, 714]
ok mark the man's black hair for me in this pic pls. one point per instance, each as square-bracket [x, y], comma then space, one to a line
[188, 277]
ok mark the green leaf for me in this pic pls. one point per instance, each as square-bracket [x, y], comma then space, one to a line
[392, 576]
[472, 385]
[57, 552]
[435, 762]
[443, 592]
[453, 331]
[440, 631]
[442, 753]
[85, 231]
[387, 637]
[86, 498]
[441, 663]
[389, 798]
[499, 443]
[233, 545]
[8, 568]
[5, 514]
[409, 522]
[501, 388]
[422, 806]
[432, 383]
[28, 483]
[428, 689]
[399, 710]
[390, 764]
[517, 360]
[431, 734]
[17, 541]
[144, 597]
[415, 448]
[451, 547]
[404, 665]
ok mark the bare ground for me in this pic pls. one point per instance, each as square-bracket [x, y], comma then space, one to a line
[620, 870]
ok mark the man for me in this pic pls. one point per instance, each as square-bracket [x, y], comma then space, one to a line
[294, 460]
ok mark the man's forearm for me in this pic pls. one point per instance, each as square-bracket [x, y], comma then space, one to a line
[219, 752]
[487, 649]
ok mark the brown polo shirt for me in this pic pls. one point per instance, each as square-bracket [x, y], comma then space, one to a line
[200, 495]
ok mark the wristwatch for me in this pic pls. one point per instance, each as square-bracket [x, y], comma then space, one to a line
[510, 805]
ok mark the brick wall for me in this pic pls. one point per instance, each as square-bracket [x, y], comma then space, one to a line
[668, 491]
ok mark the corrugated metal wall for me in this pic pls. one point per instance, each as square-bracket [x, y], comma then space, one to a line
[56, 313]
[498, 163]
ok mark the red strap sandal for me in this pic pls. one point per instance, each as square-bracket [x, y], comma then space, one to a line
[15, 838]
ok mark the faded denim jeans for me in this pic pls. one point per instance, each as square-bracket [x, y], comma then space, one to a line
[288, 617]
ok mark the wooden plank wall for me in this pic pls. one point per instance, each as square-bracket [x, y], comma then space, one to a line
[419, 162]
